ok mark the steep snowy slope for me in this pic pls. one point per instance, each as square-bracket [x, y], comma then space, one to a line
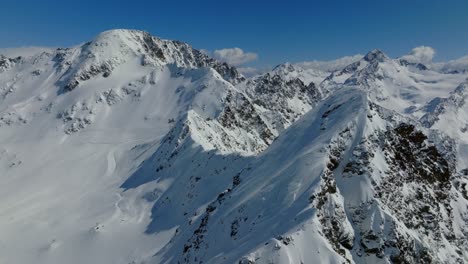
[450, 114]
[344, 184]
[134, 149]
[65, 153]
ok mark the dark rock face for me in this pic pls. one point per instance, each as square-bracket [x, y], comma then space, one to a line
[104, 69]
[423, 163]
[415, 164]
[413, 196]
[229, 73]
[334, 223]
[6, 63]
[418, 66]
[272, 92]
[240, 113]
[151, 47]
[267, 96]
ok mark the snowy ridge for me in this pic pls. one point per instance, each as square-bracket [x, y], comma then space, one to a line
[352, 158]
[134, 149]
[112, 48]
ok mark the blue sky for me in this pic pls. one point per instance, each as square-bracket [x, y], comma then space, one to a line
[276, 31]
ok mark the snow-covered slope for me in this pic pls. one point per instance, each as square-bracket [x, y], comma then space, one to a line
[394, 83]
[134, 149]
[342, 184]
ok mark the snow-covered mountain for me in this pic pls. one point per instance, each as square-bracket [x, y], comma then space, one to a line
[134, 149]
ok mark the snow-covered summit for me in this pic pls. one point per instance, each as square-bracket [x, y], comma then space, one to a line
[113, 48]
[375, 55]
[289, 71]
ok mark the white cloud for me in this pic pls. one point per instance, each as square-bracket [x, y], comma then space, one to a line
[251, 71]
[423, 54]
[457, 65]
[332, 65]
[234, 56]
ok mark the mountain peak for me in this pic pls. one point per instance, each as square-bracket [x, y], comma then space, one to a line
[285, 67]
[120, 31]
[375, 55]
[116, 41]
[113, 48]
[119, 35]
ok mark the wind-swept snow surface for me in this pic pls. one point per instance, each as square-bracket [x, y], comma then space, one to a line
[134, 149]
